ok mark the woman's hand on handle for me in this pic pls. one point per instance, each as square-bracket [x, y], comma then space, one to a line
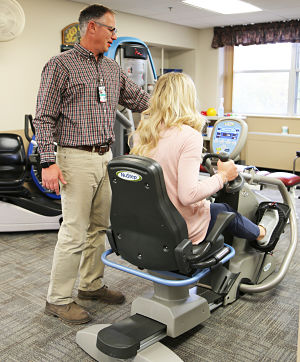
[227, 170]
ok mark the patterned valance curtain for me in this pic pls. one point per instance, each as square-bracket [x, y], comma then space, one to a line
[263, 33]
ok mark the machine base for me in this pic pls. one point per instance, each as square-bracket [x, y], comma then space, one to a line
[16, 218]
[87, 338]
[179, 308]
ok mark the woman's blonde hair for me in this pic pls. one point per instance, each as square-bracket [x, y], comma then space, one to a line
[172, 104]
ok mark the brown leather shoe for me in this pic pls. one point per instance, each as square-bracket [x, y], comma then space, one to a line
[70, 313]
[103, 294]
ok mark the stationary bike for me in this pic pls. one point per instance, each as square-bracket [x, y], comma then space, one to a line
[147, 231]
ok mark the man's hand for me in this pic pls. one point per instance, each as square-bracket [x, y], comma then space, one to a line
[51, 176]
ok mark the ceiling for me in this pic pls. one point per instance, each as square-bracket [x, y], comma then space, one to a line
[173, 11]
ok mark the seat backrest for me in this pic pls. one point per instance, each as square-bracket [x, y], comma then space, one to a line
[12, 160]
[145, 224]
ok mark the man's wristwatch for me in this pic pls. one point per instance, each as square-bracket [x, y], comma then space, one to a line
[46, 164]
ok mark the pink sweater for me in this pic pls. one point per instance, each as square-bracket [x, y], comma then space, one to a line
[179, 152]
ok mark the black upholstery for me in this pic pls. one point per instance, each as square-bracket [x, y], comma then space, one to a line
[146, 228]
[12, 161]
[146, 225]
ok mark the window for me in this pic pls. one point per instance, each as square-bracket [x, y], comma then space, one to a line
[266, 79]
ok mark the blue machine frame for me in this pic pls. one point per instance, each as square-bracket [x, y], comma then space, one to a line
[175, 283]
[111, 53]
[34, 178]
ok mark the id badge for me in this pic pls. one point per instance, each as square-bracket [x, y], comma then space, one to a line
[102, 94]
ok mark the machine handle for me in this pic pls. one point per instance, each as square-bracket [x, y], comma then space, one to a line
[235, 185]
[232, 186]
[123, 120]
[223, 156]
[28, 120]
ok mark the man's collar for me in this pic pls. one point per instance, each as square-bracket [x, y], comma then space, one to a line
[85, 52]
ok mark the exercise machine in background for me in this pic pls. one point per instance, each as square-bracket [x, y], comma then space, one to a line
[23, 207]
[134, 57]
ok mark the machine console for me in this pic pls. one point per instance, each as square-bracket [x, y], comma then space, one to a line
[229, 135]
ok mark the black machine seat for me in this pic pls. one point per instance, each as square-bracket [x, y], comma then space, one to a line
[13, 167]
[146, 228]
[149, 232]
[12, 161]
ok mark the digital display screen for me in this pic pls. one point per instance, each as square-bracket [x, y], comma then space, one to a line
[135, 51]
[226, 136]
[227, 133]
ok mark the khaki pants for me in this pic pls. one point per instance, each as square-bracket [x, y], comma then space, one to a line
[86, 200]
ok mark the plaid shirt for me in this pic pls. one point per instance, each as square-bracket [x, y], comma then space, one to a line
[69, 110]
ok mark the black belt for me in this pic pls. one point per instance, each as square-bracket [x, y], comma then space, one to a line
[101, 149]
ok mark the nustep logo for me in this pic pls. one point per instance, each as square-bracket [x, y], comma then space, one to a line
[129, 176]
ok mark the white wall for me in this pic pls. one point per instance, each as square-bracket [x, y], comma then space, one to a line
[185, 60]
[22, 59]
[156, 32]
[206, 72]
[174, 59]
[156, 53]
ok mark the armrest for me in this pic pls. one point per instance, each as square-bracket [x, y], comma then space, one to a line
[214, 241]
[213, 260]
[222, 221]
[189, 256]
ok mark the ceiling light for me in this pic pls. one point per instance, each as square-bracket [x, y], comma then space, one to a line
[224, 7]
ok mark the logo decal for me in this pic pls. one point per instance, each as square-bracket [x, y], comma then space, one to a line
[267, 267]
[129, 176]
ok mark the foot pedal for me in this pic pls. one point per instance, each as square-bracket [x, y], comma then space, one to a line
[208, 294]
[283, 213]
[125, 338]
[220, 279]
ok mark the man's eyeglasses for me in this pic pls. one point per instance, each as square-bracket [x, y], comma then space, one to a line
[110, 28]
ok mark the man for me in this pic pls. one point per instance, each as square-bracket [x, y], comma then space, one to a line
[76, 107]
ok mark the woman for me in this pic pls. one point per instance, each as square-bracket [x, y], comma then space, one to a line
[170, 133]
